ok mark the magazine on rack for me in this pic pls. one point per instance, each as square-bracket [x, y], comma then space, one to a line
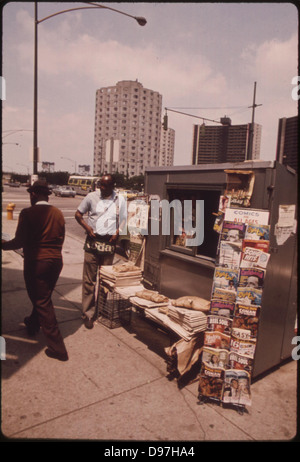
[257, 232]
[261, 245]
[241, 362]
[246, 317]
[254, 258]
[233, 232]
[248, 296]
[226, 278]
[245, 347]
[214, 357]
[219, 324]
[217, 339]
[252, 277]
[236, 388]
[222, 308]
[226, 295]
[211, 381]
[229, 254]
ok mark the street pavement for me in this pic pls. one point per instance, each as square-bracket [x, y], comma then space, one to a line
[115, 387]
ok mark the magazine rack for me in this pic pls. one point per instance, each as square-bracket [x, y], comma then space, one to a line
[232, 322]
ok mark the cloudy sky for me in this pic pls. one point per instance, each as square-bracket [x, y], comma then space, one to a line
[203, 58]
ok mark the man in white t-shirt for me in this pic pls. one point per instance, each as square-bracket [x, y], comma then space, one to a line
[107, 212]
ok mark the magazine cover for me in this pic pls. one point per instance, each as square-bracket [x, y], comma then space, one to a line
[255, 258]
[245, 347]
[248, 296]
[225, 278]
[217, 339]
[237, 387]
[219, 324]
[229, 254]
[252, 277]
[241, 362]
[214, 357]
[261, 244]
[226, 295]
[233, 232]
[257, 232]
[247, 317]
[222, 308]
[218, 222]
[211, 382]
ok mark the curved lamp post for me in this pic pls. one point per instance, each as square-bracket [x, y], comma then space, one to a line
[140, 20]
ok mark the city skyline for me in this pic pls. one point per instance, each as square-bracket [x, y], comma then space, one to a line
[196, 55]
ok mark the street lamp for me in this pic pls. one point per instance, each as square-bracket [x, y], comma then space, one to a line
[140, 20]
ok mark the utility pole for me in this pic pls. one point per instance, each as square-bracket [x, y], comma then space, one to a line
[251, 132]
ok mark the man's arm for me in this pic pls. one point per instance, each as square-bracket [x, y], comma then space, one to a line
[79, 218]
[18, 241]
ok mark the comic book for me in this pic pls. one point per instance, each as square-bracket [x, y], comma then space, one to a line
[226, 295]
[241, 362]
[229, 254]
[256, 258]
[251, 277]
[262, 245]
[217, 339]
[219, 324]
[211, 381]
[257, 232]
[248, 296]
[225, 278]
[222, 308]
[246, 317]
[236, 389]
[214, 357]
[245, 347]
[233, 232]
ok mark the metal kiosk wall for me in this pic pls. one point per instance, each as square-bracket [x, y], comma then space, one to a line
[177, 270]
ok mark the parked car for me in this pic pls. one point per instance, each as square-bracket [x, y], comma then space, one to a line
[65, 191]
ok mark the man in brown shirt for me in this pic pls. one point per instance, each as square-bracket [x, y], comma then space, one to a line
[41, 232]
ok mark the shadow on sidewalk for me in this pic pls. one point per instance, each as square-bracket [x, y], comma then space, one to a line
[19, 347]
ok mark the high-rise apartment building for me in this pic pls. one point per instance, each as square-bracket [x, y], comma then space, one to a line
[167, 146]
[287, 142]
[225, 143]
[127, 128]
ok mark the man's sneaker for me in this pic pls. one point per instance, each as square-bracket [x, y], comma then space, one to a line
[89, 323]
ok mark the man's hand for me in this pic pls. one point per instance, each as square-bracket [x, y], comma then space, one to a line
[79, 218]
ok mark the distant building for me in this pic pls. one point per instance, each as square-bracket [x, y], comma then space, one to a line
[127, 129]
[84, 169]
[225, 143]
[167, 146]
[287, 142]
[48, 167]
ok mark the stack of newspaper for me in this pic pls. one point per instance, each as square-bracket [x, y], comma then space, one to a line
[191, 320]
[115, 276]
[186, 325]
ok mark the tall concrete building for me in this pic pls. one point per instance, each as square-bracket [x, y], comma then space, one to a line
[287, 142]
[127, 128]
[225, 143]
[167, 147]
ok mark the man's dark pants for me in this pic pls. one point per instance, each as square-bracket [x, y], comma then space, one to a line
[40, 279]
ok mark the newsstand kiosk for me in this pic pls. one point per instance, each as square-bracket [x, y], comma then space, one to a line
[229, 191]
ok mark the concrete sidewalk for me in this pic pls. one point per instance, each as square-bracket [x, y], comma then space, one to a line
[114, 388]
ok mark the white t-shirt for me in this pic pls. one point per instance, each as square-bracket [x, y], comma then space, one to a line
[104, 215]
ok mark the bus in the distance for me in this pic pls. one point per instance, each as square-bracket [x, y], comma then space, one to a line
[83, 184]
